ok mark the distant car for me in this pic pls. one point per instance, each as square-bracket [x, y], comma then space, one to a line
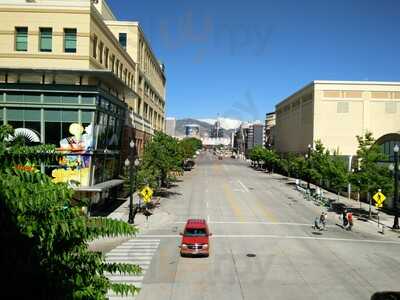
[195, 238]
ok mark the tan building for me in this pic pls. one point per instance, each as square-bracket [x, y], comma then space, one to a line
[269, 136]
[73, 76]
[335, 112]
[84, 35]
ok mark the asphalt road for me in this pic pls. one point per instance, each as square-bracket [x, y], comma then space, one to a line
[254, 213]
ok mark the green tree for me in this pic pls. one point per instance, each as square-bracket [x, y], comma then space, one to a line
[256, 154]
[189, 146]
[370, 175]
[44, 239]
[270, 158]
[161, 156]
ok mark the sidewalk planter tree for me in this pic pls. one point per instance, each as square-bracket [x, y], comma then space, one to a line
[44, 239]
[370, 176]
[161, 155]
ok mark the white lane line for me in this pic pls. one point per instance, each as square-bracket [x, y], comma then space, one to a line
[243, 186]
[207, 204]
[261, 223]
[208, 219]
[286, 237]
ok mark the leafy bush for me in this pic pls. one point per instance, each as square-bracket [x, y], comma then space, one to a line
[44, 240]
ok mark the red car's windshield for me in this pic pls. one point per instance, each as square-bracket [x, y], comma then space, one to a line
[195, 232]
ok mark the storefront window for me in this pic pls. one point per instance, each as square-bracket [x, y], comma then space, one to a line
[88, 100]
[70, 99]
[52, 99]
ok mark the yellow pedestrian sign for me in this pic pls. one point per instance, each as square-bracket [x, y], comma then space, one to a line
[146, 193]
[379, 198]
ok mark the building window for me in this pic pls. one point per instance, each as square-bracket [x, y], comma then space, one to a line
[122, 40]
[342, 107]
[117, 67]
[21, 38]
[112, 62]
[139, 105]
[94, 46]
[101, 48]
[121, 67]
[70, 40]
[106, 58]
[46, 36]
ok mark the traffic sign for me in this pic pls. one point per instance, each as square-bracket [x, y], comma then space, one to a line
[146, 193]
[379, 198]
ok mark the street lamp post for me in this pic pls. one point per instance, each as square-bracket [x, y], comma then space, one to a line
[396, 187]
[131, 217]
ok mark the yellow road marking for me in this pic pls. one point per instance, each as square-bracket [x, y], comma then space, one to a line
[232, 201]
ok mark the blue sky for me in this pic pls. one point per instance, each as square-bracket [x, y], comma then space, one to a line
[238, 59]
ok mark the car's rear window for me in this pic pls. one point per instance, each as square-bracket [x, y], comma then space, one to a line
[195, 232]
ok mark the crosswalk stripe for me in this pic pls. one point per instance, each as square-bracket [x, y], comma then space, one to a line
[137, 252]
[130, 253]
[134, 258]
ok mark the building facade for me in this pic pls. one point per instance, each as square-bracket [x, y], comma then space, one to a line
[70, 76]
[247, 136]
[334, 112]
[216, 131]
[269, 135]
[192, 130]
[170, 125]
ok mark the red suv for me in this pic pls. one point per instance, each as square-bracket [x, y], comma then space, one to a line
[195, 238]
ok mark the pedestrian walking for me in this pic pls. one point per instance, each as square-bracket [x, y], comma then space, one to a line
[316, 224]
[350, 220]
[344, 217]
[322, 220]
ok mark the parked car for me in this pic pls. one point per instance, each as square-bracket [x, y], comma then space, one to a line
[195, 238]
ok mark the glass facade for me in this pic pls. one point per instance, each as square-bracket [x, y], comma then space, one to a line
[387, 148]
[86, 128]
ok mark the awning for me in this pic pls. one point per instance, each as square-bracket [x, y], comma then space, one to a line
[100, 187]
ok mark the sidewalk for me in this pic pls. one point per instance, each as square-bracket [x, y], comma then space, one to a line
[156, 221]
[384, 218]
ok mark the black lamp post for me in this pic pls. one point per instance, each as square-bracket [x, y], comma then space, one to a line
[131, 217]
[396, 187]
